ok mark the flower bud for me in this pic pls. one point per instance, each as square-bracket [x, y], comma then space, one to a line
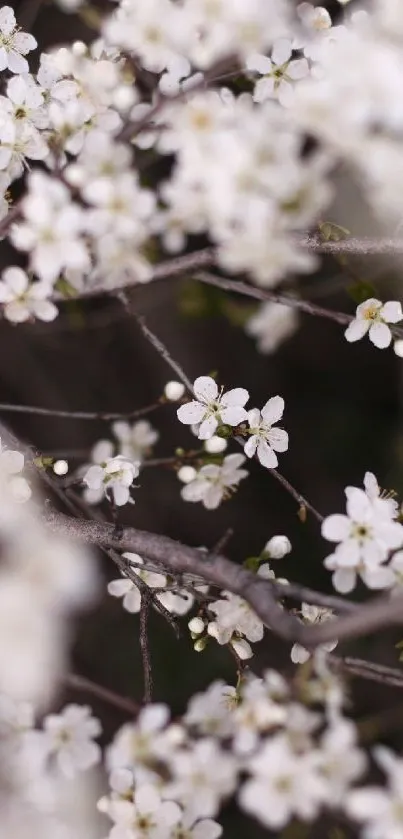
[60, 467]
[277, 547]
[174, 391]
[186, 474]
[196, 626]
[200, 644]
[215, 445]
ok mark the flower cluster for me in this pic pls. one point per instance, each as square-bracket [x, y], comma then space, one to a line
[365, 537]
[212, 409]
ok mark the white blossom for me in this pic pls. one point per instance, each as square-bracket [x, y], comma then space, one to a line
[114, 477]
[126, 588]
[135, 441]
[380, 809]
[213, 483]
[210, 713]
[212, 407]
[203, 776]
[265, 440]
[146, 816]
[271, 325]
[277, 547]
[14, 44]
[365, 537]
[69, 738]
[312, 615]
[22, 299]
[373, 317]
[173, 391]
[278, 72]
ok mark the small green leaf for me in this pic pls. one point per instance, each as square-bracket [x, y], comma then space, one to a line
[65, 288]
[361, 291]
[332, 232]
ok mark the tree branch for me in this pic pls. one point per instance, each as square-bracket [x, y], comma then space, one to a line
[219, 571]
[80, 415]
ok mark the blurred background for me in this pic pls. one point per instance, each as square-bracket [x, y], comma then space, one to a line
[343, 414]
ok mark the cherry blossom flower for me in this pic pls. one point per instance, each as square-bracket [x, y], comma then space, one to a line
[144, 817]
[380, 809]
[312, 615]
[209, 713]
[115, 477]
[282, 784]
[14, 44]
[23, 299]
[213, 483]
[373, 317]
[339, 740]
[202, 777]
[24, 102]
[234, 616]
[271, 325]
[265, 440]
[212, 407]
[123, 587]
[69, 738]
[365, 538]
[135, 441]
[279, 72]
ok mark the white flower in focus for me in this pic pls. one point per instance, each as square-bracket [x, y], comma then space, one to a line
[69, 738]
[212, 407]
[282, 784]
[312, 615]
[22, 299]
[25, 102]
[135, 441]
[123, 587]
[202, 776]
[279, 72]
[380, 809]
[266, 440]
[114, 477]
[365, 537]
[213, 483]
[373, 317]
[13, 43]
[272, 325]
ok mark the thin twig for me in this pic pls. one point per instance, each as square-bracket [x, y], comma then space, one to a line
[300, 499]
[163, 352]
[145, 651]
[72, 680]
[222, 542]
[391, 676]
[80, 415]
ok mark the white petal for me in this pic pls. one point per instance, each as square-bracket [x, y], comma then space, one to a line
[299, 655]
[233, 415]
[213, 497]
[281, 51]
[94, 477]
[207, 829]
[195, 491]
[344, 580]
[264, 89]
[121, 494]
[254, 417]
[147, 799]
[237, 397]
[368, 803]
[379, 577]
[16, 279]
[118, 588]
[273, 410]
[205, 388]
[380, 335]
[44, 310]
[278, 439]
[16, 311]
[24, 42]
[259, 63]
[7, 20]
[251, 446]
[358, 506]
[191, 413]
[336, 528]
[266, 455]
[16, 63]
[207, 428]
[356, 330]
[298, 69]
[392, 311]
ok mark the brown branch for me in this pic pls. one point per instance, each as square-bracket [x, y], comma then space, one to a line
[72, 680]
[300, 499]
[390, 676]
[219, 571]
[145, 651]
[162, 351]
[80, 415]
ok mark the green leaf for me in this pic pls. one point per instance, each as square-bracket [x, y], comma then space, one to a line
[65, 288]
[361, 291]
[332, 232]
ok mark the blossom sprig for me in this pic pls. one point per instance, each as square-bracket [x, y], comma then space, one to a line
[373, 317]
[212, 407]
[114, 477]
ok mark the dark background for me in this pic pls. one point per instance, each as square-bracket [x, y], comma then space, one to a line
[343, 415]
